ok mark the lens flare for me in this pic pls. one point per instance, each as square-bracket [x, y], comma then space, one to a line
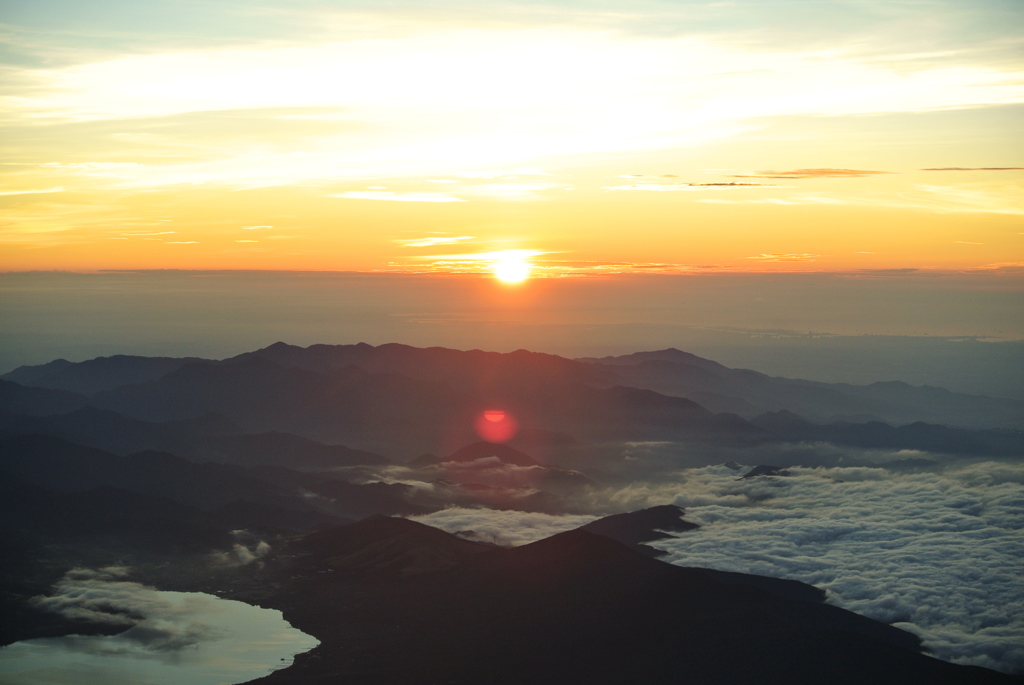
[495, 425]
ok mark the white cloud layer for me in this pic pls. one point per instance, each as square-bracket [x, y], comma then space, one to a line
[506, 528]
[936, 553]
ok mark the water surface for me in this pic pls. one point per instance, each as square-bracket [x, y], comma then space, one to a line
[185, 638]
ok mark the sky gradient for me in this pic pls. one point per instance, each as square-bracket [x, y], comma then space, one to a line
[597, 137]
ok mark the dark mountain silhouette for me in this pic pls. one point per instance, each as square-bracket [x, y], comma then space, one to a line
[352, 499]
[392, 413]
[635, 528]
[112, 432]
[58, 465]
[749, 393]
[139, 522]
[30, 401]
[382, 547]
[488, 450]
[210, 437]
[268, 517]
[647, 525]
[875, 434]
[573, 608]
[253, 390]
[399, 400]
[281, 449]
[97, 375]
[671, 372]
[348, 406]
[471, 372]
[764, 470]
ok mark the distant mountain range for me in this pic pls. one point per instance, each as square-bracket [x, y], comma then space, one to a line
[287, 439]
[671, 372]
[749, 393]
[402, 401]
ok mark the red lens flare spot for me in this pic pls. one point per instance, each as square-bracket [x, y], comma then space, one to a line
[495, 425]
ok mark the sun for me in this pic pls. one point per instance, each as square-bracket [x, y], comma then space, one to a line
[511, 269]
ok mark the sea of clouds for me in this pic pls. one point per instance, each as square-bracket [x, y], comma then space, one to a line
[937, 551]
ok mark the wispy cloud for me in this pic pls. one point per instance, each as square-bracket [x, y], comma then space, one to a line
[670, 187]
[938, 199]
[391, 196]
[508, 191]
[57, 189]
[995, 168]
[428, 242]
[799, 199]
[812, 173]
[957, 199]
[785, 257]
[539, 93]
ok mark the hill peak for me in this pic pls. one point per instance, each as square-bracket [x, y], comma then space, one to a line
[486, 450]
[384, 546]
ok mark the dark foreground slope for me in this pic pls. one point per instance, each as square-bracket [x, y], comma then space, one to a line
[574, 608]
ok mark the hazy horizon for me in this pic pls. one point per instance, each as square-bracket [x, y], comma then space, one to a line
[951, 330]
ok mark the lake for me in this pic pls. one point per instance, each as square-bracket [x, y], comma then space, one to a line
[184, 638]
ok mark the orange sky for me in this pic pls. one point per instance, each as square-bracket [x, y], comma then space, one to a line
[298, 137]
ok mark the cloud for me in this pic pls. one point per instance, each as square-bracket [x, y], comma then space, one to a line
[812, 173]
[391, 196]
[668, 187]
[502, 527]
[476, 262]
[991, 168]
[103, 597]
[57, 189]
[792, 200]
[509, 191]
[957, 199]
[1014, 267]
[930, 198]
[934, 552]
[398, 102]
[428, 242]
[255, 228]
[786, 257]
[241, 554]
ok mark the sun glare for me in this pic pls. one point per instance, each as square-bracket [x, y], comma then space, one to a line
[511, 270]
